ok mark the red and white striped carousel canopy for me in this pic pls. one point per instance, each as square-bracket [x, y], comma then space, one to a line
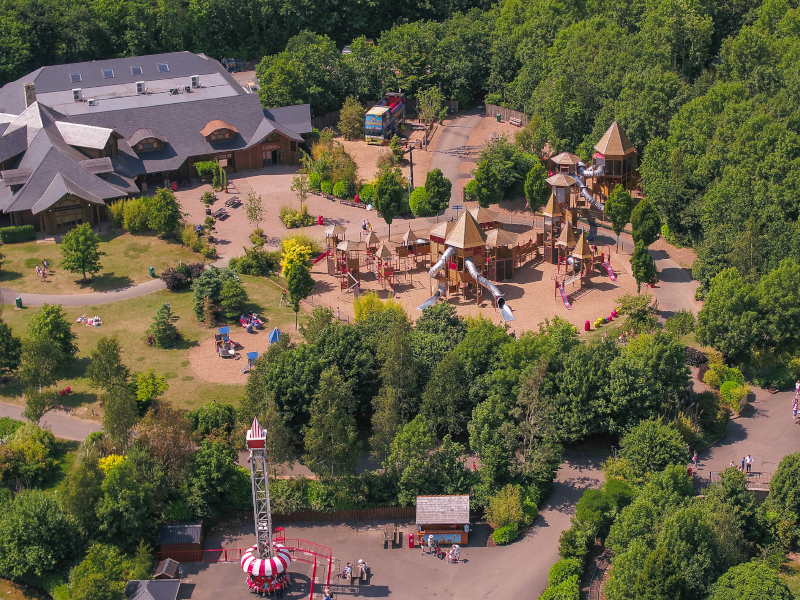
[260, 567]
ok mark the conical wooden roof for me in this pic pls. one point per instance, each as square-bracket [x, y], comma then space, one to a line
[335, 231]
[483, 215]
[372, 239]
[383, 252]
[442, 230]
[582, 249]
[614, 142]
[347, 246]
[561, 180]
[466, 234]
[567, 237]
[409, 237]
[553, 209]
[566, 158]
[500, 237]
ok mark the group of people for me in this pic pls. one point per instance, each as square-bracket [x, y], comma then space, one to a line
[362, 570]
[453, 555]
[269, 584]
[796, 401]
[251, 321]
[41, 270]
[745, 466]
[365, 225]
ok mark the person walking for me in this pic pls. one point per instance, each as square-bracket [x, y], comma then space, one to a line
[794, 408]
[694, 459]
[430, 543]
[741, 468]
[732, 465]
[797, 390]
[422, 545]
[749, 462]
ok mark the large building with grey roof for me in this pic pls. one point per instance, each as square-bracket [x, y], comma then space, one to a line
[75, 136]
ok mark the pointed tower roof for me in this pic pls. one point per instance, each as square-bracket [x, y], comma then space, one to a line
[372, 239]
[567, 237]
[566, 158]
[500, 237]
[582, 249]
[347, 246]
[483, 215]
[335, 231]
[442, 230]
[409, 237]
[466, 234]
[256, 437]
[561, 180]
[383, 252]
[552, 209]
[614, 142]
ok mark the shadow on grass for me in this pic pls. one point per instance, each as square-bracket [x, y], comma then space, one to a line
[108, 281]
[9, 276]
[65, 455]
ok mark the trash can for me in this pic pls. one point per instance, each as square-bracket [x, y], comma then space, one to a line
[587, 326]
[498, 117]
[18, 302]
[320, 220]
[411, 540]
[174, 186]
[152, 272]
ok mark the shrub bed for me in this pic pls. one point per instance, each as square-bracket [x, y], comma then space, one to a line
[19, 233]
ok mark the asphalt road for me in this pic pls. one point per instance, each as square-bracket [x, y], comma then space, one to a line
[450, 147]
[61, 424]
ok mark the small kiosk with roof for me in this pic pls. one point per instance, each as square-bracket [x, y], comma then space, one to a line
[614, 160]
[444, 517]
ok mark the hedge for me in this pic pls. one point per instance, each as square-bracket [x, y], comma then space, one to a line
[20, 233]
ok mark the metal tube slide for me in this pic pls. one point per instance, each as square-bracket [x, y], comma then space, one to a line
[433, 272]
[439, 265]
[505, 311]
[584, 172]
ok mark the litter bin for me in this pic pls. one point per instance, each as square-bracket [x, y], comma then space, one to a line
[498, 117]
[18, 302]
[411, 540]
[174, 186]
[152, 272]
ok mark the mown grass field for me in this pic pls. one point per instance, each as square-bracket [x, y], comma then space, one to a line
[129, 320]
[125, 263]
[15, 591]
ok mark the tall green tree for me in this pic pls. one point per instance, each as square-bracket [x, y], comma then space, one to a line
[100, 575]
[51, 323]
[300, 286]
[331, 439]
[351, 119]
[430, 106]
[163, 329]
[164, 213]
[536, 190]
[389, 190]
[232, 299]
[124, 512]
[750, 581]
[437, 190]
[80, 251]
[42, 360]
[10, 350]
[651, 446]
[81, 491]
[643, 266]
[119, 415]
[212, 472]
[106, 368]
[645, 223]
[618, 208]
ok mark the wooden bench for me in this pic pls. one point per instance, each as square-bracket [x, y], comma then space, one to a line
[515, 121]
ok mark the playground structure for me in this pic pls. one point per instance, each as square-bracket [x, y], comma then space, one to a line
[459, 265]
[579, 264]
[385, 119]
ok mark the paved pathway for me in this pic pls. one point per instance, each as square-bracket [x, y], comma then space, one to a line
[448, 153]
[61, 424]
[8, 296]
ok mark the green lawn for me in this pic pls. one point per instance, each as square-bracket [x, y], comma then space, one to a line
[14, 591]
[126, 262]
[129, 320]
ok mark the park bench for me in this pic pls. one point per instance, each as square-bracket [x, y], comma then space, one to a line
[233, 202]
[515, 121]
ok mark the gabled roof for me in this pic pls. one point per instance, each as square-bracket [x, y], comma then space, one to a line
[483, 215]
[296, 118]
[13, 143]
[47, 157]
[156, 589]
[500, 237]
[167, 569]
[36, 117]
[561, 180]
[143, 134]
[85, 136]
[615, 142]
[466, 233]
[442, 230]
[442, 510]
[214, 125]
[98, 165]
[566, 158]
[60, 187]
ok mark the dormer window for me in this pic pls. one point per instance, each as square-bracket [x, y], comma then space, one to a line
[219, 131]
[145, 140]
[75, 77]
[108, 74]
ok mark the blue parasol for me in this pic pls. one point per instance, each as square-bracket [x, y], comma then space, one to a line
[274, 335]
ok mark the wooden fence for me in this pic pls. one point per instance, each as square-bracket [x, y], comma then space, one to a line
[355, 514]
[492, 110]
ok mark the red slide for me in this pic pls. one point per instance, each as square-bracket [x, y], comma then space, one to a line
[319, 258]
[564, 297]
[610, 271]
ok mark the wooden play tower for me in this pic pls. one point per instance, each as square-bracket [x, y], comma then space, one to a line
[552, 229]
[617, 155]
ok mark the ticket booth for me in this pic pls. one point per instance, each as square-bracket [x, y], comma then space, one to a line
[444, 517]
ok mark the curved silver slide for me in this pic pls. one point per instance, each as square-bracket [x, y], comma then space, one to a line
[590, 172]
[433, 272]
[505, 310]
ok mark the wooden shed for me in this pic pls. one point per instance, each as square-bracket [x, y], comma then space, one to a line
[444, 517]
[181, 537]
[167, 569]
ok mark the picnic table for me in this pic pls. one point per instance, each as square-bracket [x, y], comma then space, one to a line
[220, 214]
[233, 202]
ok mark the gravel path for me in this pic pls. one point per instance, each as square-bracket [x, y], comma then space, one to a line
[61, 424]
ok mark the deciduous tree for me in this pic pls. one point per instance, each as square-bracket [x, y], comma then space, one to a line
[351, 119]
[164, 213]
[389, 190]
[106, 368]
[254, 209]
[536, 190]
[645, 223]
[643, 266]
[618, 208]
[80, 251]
